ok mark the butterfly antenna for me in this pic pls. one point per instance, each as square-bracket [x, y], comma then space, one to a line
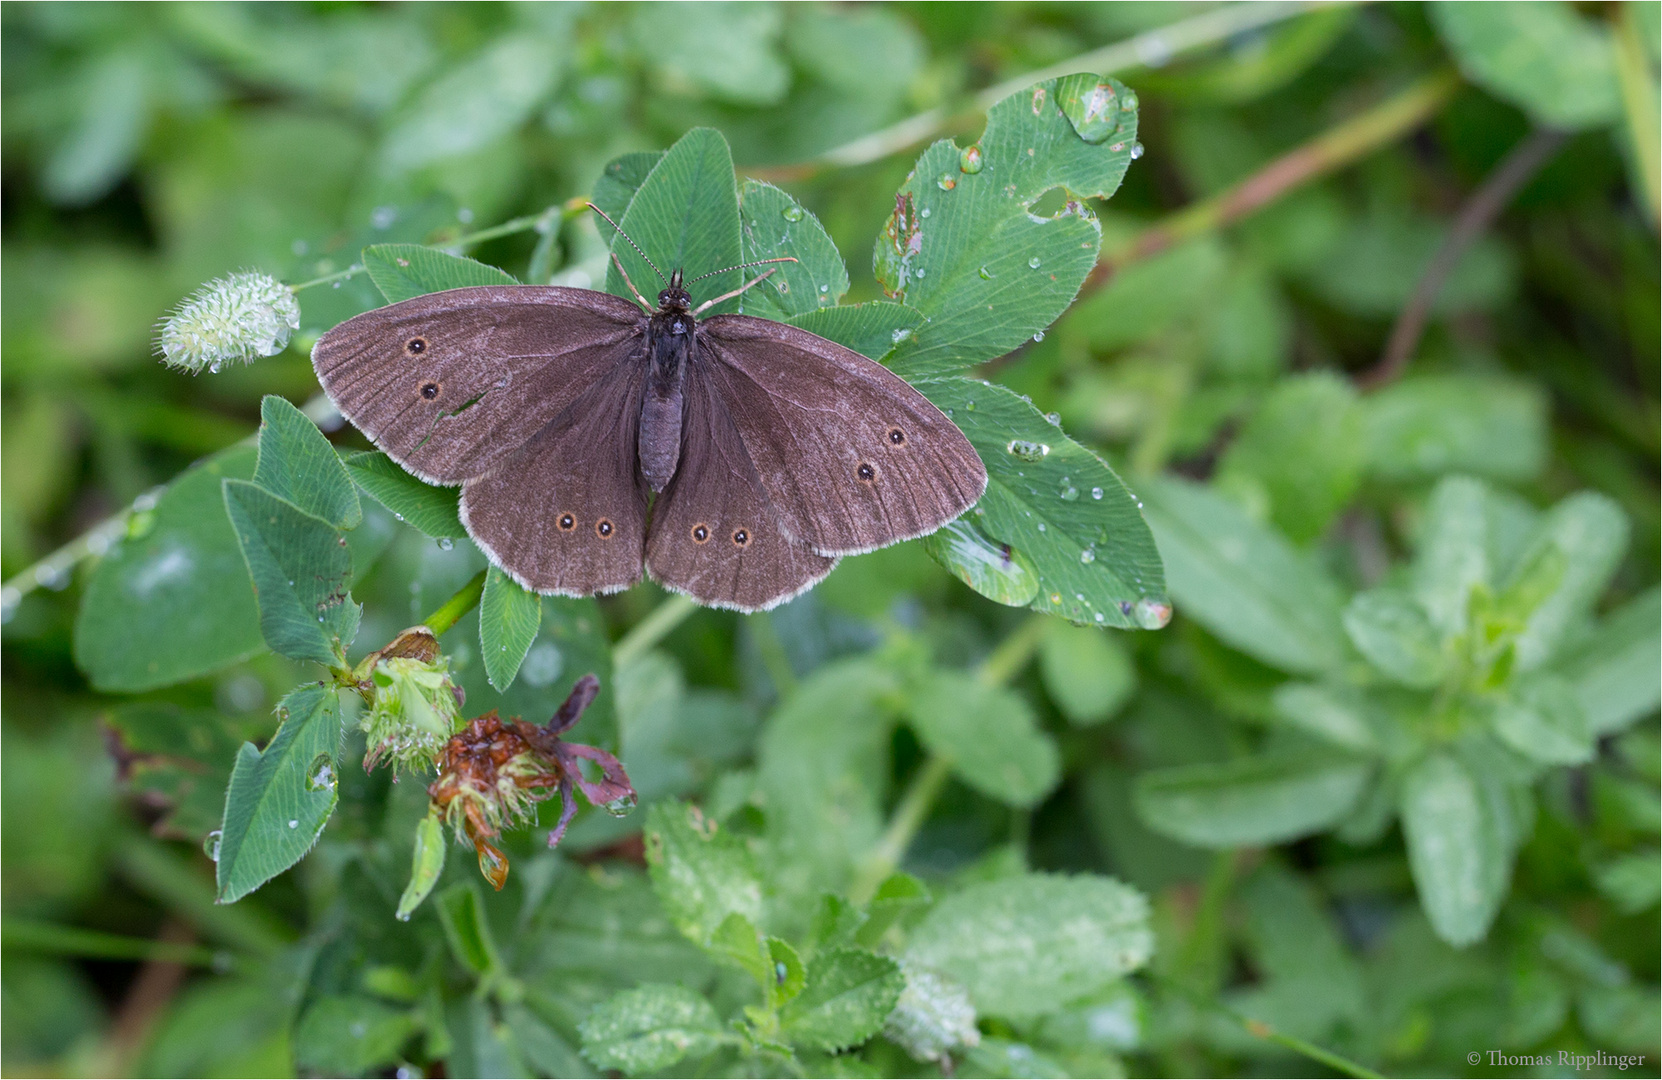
[741, 266]
[631, 240]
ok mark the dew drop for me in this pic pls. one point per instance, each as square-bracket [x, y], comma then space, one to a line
[1152, 614]
[969, 406]
[1039, 336]
[1128, 103]
[825, 288]
[294, 823]
[1136, 150]
[986, 275]
[1096, 493]
[1087, 556]
[900, 335]
[946, 181]
[1033, 263]
[210, 844]
[791, 213]
[1042, 527]
[920, 272]
[445, 543]
[1100, 617]
[1054, 418]
[925, 212]
[970, 160]
[1068, 493]
[620, 806]
[321, 775]
[1027, 450]
[996, 571]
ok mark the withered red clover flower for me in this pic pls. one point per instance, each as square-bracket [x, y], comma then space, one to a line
[495, 770]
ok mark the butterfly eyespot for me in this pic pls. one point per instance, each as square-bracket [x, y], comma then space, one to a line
[430, 390]
[897, 437]
[865, 472]
[740, 538]
[701, 533]
[567, 523]
[603, 529]
[416, 346]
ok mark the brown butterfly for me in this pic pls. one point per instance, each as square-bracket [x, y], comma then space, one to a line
[562, 412]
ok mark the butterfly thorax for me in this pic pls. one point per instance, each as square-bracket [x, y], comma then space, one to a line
[668, 350]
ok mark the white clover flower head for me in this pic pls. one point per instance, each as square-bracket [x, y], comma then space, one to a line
[414, 714]
[932, 1017]
[238, 318]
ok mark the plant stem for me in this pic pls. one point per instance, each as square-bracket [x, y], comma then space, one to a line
[1478, 213]
[908, 817]
[652, 629]
[446, 614]
[1151, 48]
[1638, 83]
[35, 936]
[1000, 666]
[1261, 1030]
[568, 209]
[1326, 153]
[773, 652]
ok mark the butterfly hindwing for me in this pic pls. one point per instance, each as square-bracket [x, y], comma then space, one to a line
[851, 456]
[566, 513]
[715, 535]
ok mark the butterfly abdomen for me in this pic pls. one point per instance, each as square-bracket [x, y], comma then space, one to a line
[669, 345]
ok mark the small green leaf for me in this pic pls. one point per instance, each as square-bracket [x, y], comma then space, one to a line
[836, 921]
[1614, 670]
[301, 568]
[776, 225]
[1025, 945]
[1086, 672]
[872, 329]
[646, 1030]
[685, 216]
[988, 733]
[898, 898]
[433, 510]
[1453, 553]
[477, 102]
[737, 942]
[1057, 504]
[788, 975]
[1338, 714]
[296, 463]
[701, 874]
[1299, 455]
[964, 247]
[1268, 799]
[508, 620]
[1541, 719]
[279, 800]
[350, 1035]
[1553, 63]
[1389, 628]
[171, 600]
[404, 271]
[1589, 531]
[1460, 860]
[620, 180]
[1426, 427]
[426, 864]
[848, 995]
[1243, 582]
[467, 929]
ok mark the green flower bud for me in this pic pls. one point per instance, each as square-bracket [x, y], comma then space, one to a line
[414, 713]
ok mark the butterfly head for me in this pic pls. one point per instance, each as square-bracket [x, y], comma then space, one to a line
[675, 298]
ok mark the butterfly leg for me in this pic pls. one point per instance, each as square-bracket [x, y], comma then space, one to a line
[631, 284]
[699, 310]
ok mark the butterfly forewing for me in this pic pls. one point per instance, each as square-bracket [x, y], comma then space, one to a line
[851, 456]
[450, 383]
[566, 513]
[715, 534]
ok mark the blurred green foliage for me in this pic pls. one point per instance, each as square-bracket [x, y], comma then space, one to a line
[1388, 783]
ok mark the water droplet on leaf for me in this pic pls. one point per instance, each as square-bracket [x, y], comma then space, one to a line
[970, 160]
[210, 844]
[321, 775]
[1027, 449]
[986, 275]
[996, 571]
[1096, 493]
[1033, 263]
[620, 806]
[946, 181]
[791, 213]
[1152, 614]
[1090, 105]
[1087, 556]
